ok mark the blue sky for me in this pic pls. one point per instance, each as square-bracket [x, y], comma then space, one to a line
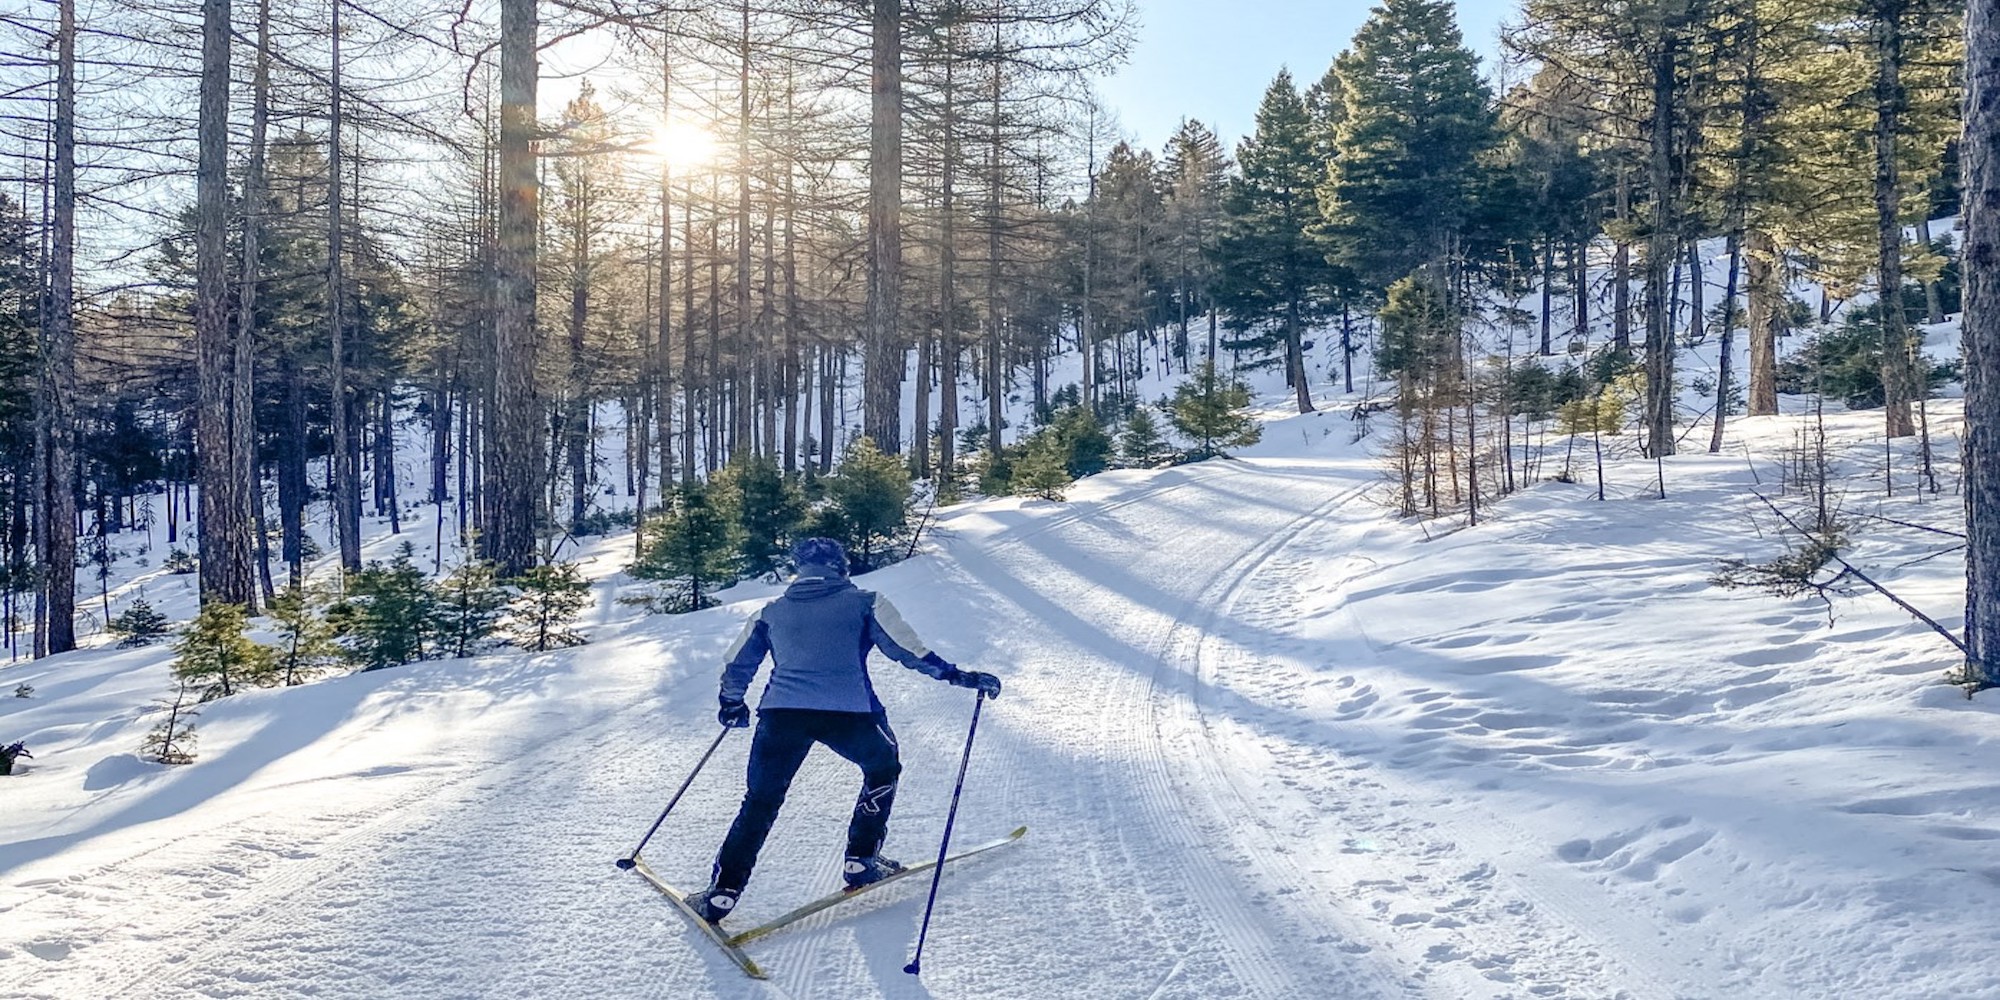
[1212, 60]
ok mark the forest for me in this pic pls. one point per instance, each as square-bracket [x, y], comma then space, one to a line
[252, 253]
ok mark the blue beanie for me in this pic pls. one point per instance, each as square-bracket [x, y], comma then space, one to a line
[822, 552]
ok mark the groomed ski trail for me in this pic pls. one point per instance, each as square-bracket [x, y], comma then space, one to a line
[1218, 810]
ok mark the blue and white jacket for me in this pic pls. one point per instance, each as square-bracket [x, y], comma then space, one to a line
[818, 635]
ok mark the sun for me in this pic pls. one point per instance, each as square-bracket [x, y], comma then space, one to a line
[682, 145]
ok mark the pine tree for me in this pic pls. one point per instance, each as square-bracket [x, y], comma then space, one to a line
[1273, 268]
[389, 614]
[1141, 445]
[768, 510]
[694, 541]
[871, 490]
[139, 625]
[306, 646]
[1404, 184]
[1195, 174]
[550, 597]
[468, 606]
[1208, 409]
[1085, 448]
[1039, 471]
[216, 657]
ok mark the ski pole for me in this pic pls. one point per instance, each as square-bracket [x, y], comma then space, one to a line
[628, 861]
[944, 846]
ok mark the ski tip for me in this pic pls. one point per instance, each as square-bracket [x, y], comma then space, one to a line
[1019, 832]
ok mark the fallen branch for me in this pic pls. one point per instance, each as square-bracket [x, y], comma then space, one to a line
[1851, 570]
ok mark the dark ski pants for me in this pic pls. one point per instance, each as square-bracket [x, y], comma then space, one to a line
[784, 737]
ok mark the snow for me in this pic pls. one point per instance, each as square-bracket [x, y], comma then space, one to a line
[1269, 742]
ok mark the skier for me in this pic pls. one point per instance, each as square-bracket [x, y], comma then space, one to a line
[818, 634]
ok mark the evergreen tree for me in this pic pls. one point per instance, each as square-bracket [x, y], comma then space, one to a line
[216, 657]
[306, 645]
[871, 490]
[768, 508]
[1039, 471]
[1195, 175]
[1273, 268]
[139, 625]
[468, 607]
[1405, 180]
[1141, 445]
[695, 540]
[389, 615]
[1084, 447]
[1208, 409]
[550, 597]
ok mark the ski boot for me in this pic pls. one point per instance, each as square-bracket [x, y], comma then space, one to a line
[712, 904]
[858, 872]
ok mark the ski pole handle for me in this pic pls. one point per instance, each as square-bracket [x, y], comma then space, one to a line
[944, 845]
[631, 859]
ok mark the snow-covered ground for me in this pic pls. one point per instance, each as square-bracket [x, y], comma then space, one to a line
[1269, 742]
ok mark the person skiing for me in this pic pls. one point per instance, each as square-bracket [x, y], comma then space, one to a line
[818, 634]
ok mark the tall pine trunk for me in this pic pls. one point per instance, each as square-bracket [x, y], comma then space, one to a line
[58, 410]
[882, 372]
[513, 459]
[346, 474]
[1898, 383]
[1982, 342]
[225, 542]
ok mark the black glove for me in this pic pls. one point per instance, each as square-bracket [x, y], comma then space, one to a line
[980, 681]
[733, 714]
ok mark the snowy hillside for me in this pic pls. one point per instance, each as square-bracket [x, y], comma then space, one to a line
[1268, 742]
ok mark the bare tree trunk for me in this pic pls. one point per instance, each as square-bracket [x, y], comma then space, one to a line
[58, 412]
[1548, 294]
[1725, 374]
[1696, 329]
[882, 375]
[1765, 285]
[346, 477]
[1898, 381]
[1662, 243]
[225, 542]
[1933, 302]
[513, 461]
[242, 399]
[690, 369]
[1982, 342]
[1621, 272]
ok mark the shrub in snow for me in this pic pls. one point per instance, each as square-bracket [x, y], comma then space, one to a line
[692, 543]
[1845, 363]
[389, 615]
[550, 598]
[9, 753]
[24, 691]
[180, 562]
[172, 740]
[306, 646]
[469, 604]
[216, 657]
[139, 625]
